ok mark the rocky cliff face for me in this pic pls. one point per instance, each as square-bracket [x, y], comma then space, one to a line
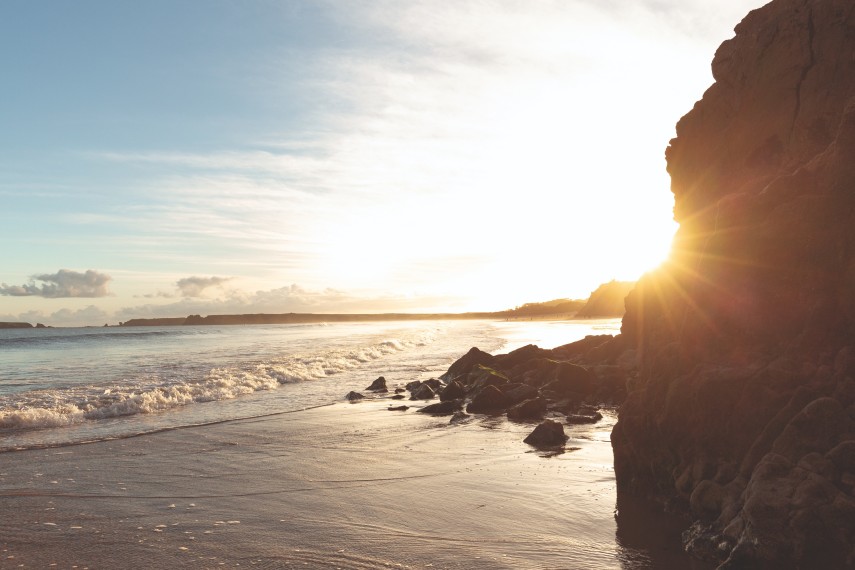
[743, 408]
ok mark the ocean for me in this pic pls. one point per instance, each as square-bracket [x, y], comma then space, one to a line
[211, 447]
[69, 385]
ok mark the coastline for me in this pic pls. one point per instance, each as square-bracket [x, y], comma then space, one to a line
[346, 486]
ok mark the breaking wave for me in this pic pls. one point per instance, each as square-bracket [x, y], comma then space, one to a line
[168, 389]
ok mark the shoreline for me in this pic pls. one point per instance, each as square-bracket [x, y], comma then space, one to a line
[347, 486]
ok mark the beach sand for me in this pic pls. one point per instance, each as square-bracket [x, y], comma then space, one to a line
[342, 486]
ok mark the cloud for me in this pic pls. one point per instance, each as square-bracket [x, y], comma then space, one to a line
[62, 284]
[194, 286]
[293, 299]
[89, 315]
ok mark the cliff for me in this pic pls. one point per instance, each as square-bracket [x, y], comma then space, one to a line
[742, 409]
[608, 300]
[15, 326]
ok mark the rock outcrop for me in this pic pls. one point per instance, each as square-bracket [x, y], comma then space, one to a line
[743, 410]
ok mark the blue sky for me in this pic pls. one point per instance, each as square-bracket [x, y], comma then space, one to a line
[165, 158]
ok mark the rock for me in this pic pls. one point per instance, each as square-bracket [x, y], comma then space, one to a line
[533, 409]
[584, 418]
[446, 408]
[435, 384]
[480, 377]
[453, 391]
[548, 433]
[354, 396]
[459, 418]
[423, 392]
[520, 356]
[607, 300]
[571, 378]
[490, 399]
[398, 408]
[400, 390]
[378, 385]
[519, 392]
[412, 386]
[741, 380]
[465, 364]
[398, 397]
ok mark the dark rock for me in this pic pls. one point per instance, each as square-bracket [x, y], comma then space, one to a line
[453, 391]
[398, 408]
[465, 364]
[572, 378]
[423, 392]
[581, 347]
[412, 386]
[547, 434]
[519, 357]
[446, 408]
[354, 396]
[490, 399]
[378, 385]
[398, 397]
[400, 390]
[519, 393]
[743, 339]
[434, 384]
[584, 418]
[480, 377]
[533, 409]
[459, 418]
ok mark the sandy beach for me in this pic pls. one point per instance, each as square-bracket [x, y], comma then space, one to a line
[342, 486]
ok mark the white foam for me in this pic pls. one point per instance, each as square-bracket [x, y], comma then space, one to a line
[75, 405]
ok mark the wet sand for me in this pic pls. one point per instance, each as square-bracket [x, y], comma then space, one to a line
[343, 486]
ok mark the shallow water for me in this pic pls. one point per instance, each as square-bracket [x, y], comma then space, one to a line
[250, 472]
[70, 385]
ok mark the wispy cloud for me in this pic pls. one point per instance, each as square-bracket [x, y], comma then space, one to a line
[195, 286]
[62, 284]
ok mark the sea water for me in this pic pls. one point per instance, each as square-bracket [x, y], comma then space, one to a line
[61, 386]
[67, 386]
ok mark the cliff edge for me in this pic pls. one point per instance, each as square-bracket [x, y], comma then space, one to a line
[742, 410]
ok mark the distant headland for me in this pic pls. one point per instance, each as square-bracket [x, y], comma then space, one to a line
[22, 326]
[606, 301]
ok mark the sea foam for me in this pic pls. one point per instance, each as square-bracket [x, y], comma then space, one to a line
[165, 389]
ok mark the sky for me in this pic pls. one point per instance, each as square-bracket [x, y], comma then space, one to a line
[166, 158]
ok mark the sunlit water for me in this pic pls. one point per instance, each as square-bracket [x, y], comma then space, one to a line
[64, 386]
[82, 384]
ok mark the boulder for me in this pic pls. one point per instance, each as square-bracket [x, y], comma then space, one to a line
[398, 408]
[571, 379]
[577, 419]
[466, 363]
[423, 392]
[378, 385]
[459, 418]
[533, 409]
[435, 384]
[520, 357]
[490, 399]
[548, 433]
[354, 396]
[453, 391]
[516, 393]
[445, 408]
[411, 386]
[481, 377]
